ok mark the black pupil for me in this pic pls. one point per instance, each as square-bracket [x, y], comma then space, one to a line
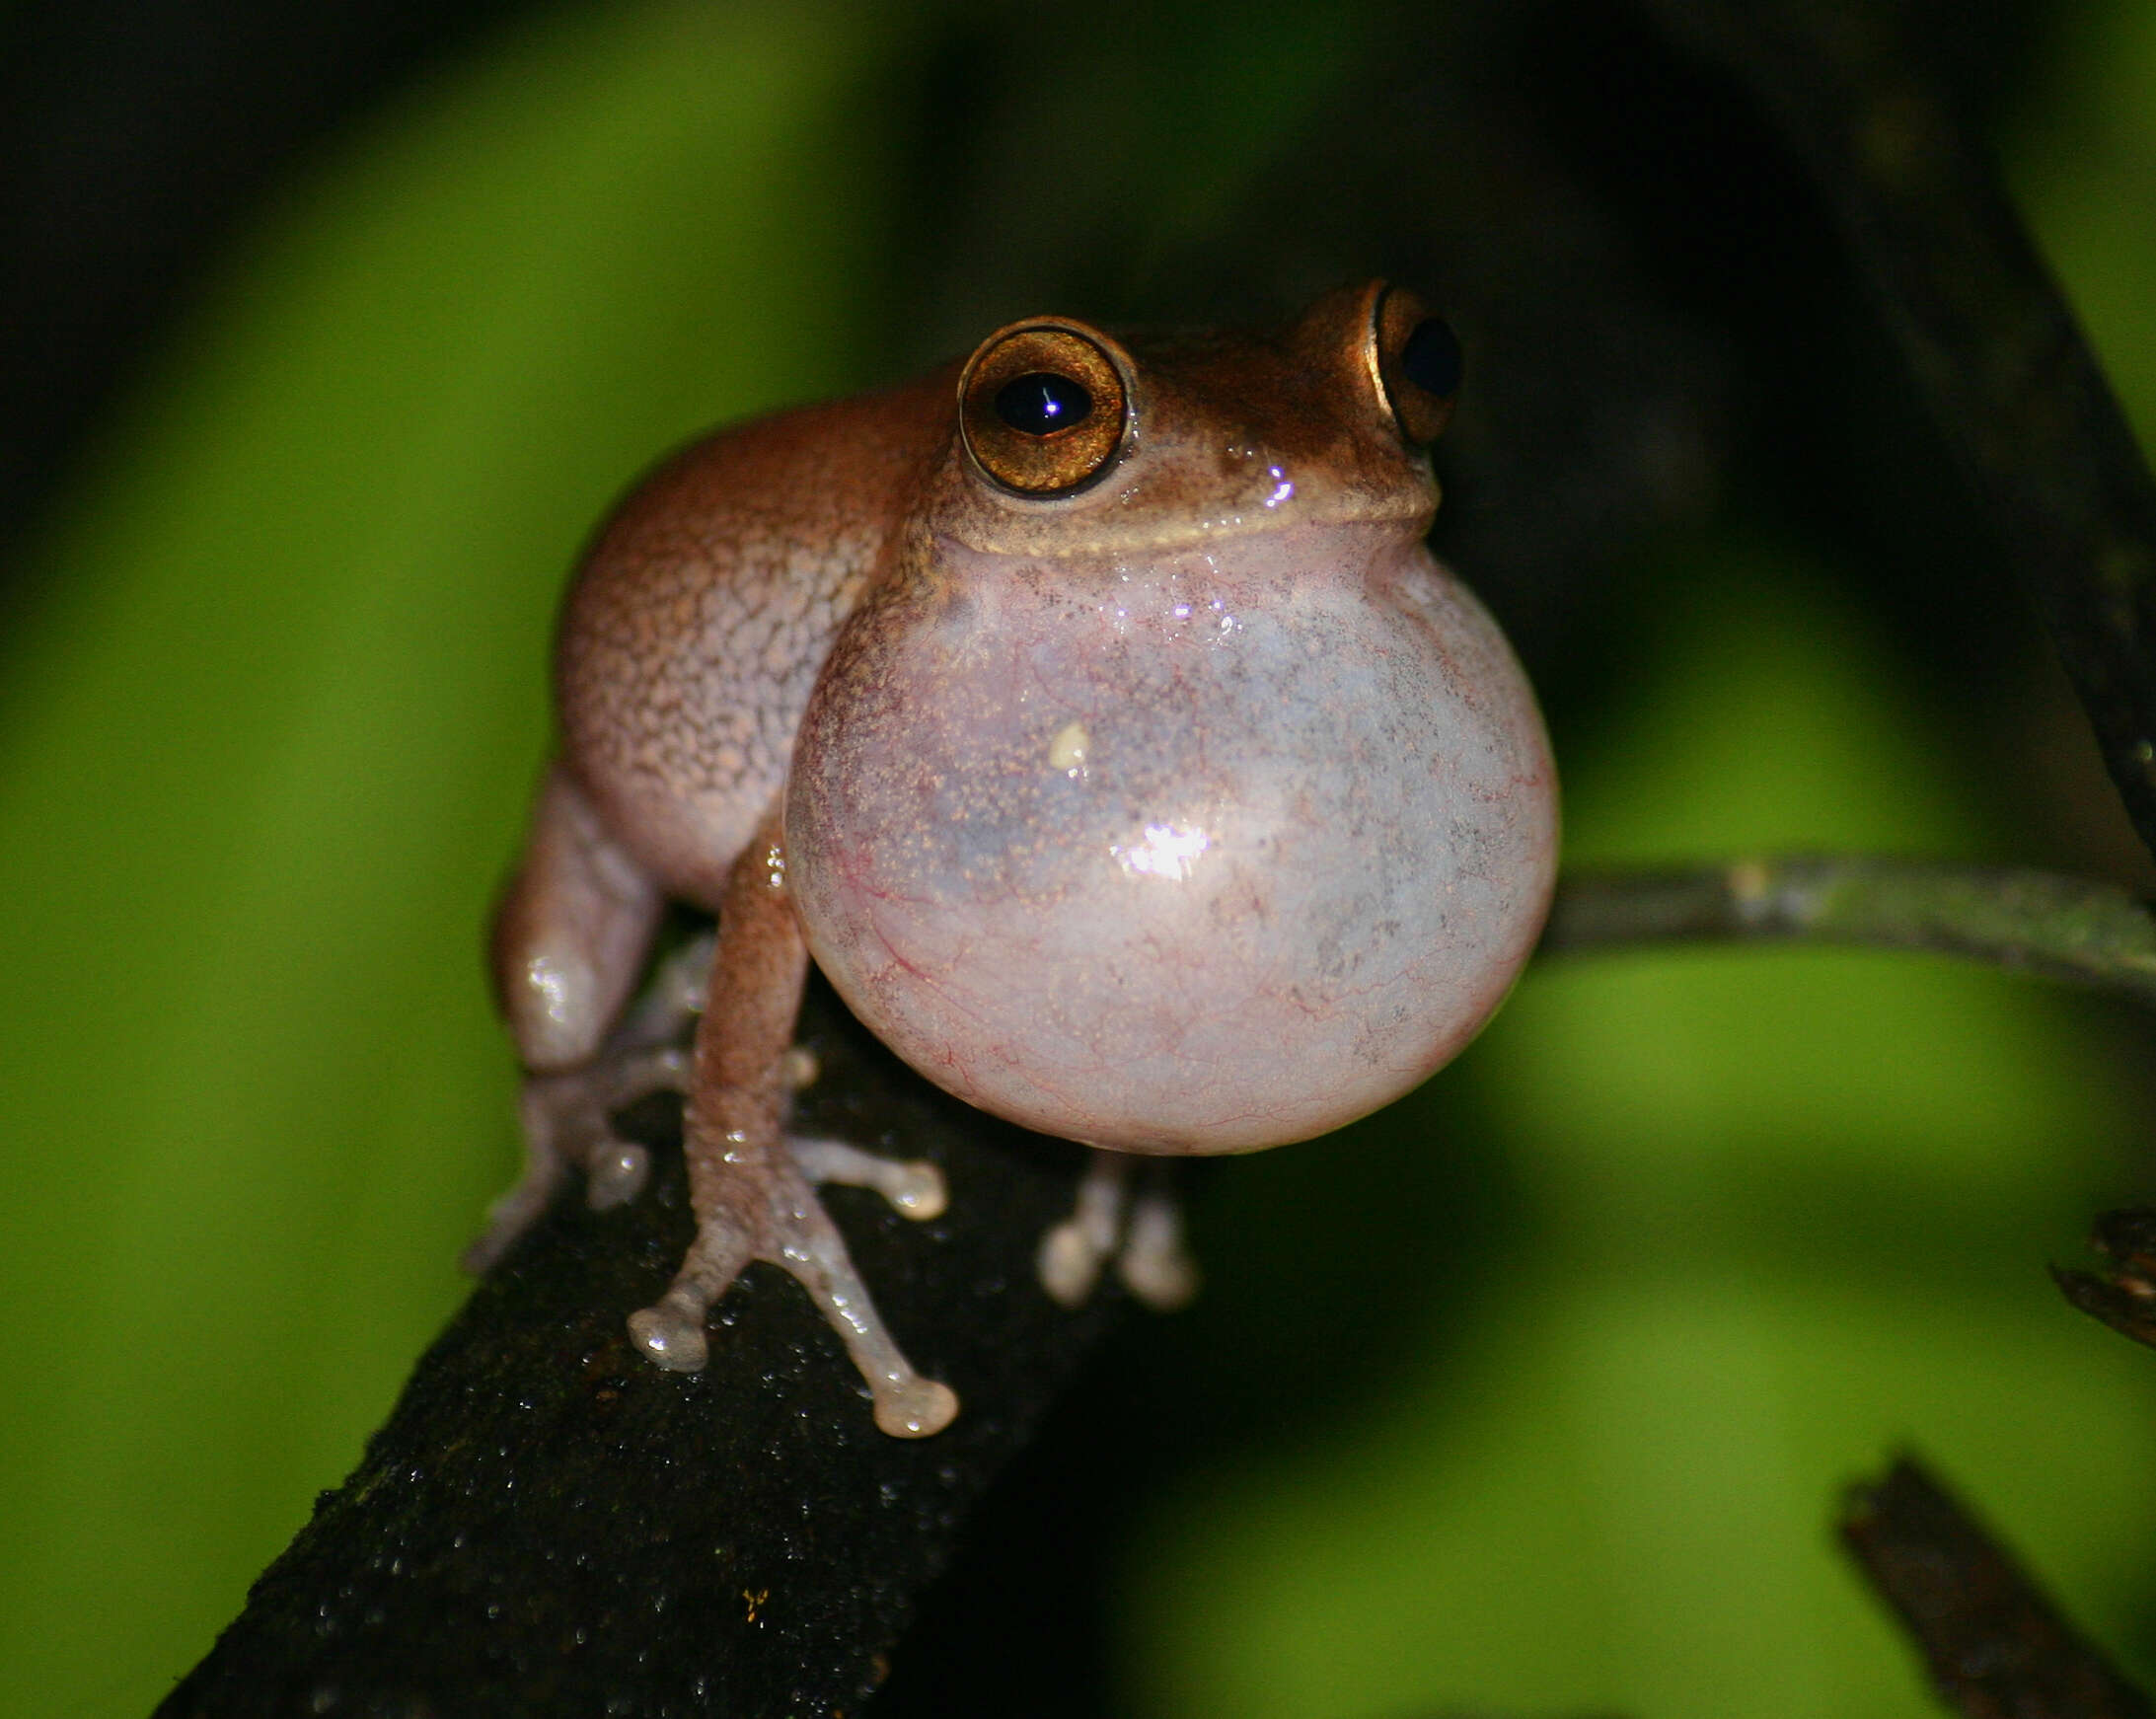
[1430, 359]
[1040, 404]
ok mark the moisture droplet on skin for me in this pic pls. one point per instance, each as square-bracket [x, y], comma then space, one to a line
[1068, 751]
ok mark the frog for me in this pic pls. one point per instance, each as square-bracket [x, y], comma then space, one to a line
[1092, 713]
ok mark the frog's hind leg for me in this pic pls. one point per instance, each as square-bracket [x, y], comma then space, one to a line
[569, 938]
[569, 1123]
[752, 1189]
[1139, 1228]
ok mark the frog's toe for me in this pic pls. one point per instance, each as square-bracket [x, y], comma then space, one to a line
[908, 1405]
[513, 1214]
[1073, 1253]
[1141, 1232]
[569, 1119]
[1154, 1264]
[616, 1174]
[544, 1170]
[917, 1191]
[915, 1188]
[915, 1408]
[800, 1068]
[1070, 1262]
[671, 1334]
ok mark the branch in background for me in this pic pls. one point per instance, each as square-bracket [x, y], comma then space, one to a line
[1995, 1646]
[548, 1525]
[2126, 1301]
[2035, 921]
[1993, 346]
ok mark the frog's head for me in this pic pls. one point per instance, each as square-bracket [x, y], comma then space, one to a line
[1072, 441]
[1166, 794]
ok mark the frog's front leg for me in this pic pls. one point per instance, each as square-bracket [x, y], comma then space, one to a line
[752, 1189]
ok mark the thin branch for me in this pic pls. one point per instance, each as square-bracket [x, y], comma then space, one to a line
[2125, 1300]
[1995, 1645]
[1992, 344]
[2037, 921]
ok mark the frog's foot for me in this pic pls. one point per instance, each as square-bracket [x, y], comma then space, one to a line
[1143, 1232]
[567, 1124]
[799, 1235]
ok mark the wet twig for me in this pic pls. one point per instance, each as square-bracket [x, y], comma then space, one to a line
[2125, 1299]
[2037, 921]
[1990, 341]
[1995, 1646]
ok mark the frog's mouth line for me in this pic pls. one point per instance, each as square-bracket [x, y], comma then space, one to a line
[1263, 550]
[1260, 514]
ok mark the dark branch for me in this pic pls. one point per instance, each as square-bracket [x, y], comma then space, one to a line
[1993, 346]
[548, 1525]
[1995, 1646]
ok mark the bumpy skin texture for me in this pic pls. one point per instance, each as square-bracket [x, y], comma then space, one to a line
[1193, 808]
[693, 638]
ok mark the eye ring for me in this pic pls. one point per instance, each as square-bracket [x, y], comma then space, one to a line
[1017, 386]
[1419, 360]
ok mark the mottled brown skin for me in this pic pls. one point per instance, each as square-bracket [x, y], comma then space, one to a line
[687, 651]
[866, 567]
[694, 634]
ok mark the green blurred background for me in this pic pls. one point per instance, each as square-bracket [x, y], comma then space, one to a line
[1530, 1396]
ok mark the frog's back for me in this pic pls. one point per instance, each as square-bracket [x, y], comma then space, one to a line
[695, 629]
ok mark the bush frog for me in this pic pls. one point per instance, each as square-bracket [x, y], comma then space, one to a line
[1092, 714]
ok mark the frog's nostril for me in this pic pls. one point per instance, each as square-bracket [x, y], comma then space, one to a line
[1041, 404]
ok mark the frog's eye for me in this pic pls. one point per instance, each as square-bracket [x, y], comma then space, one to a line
[1419, 358]
[1041, 409]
